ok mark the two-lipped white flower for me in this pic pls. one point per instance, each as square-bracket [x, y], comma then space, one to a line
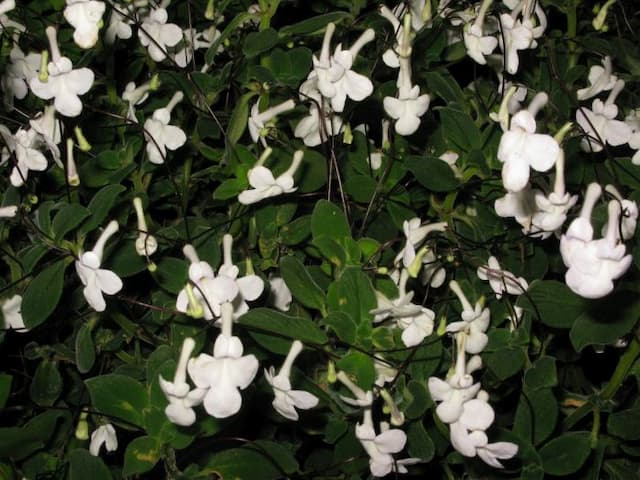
[146, 244]
[249, 287]
[600, 79]
[120, 23]
[415, 321]
[103, 435]
[156, 34]
[194, 40]
[257, 122]
[98, 280]
[336, 80]
[61, 82]
[181, 397]
[318, 126]
[287, 400]
[265, 185]
[12, 314]
[7, 6]
[468, 434]
[517, 36]
[18, 72]
[593, 265]
[521, 148]
[135, 96]
[458, 388]
[415, 233]
[477, 44]
[501, 281]
[161, 136]
[224, 373]
[85, 16]
[475, 321]
[519, 205]
[599, 123]
[279, 294]
[50, 129]
[205, 293]
[409, 106]
[25, 144]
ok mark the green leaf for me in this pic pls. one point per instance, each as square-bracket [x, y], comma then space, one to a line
[85, 349]
[296, 231]
[101, 205]
[536, 415]
[598, 325]
[460, 129]
[5, 388]
[43, 217]
[141, 455]
[125, 261]
[294, 328]
[445, 86]
[331, 250]
[314, 24]
[231, 27]
[239, 118]
[20, 442]
[84, 466]
[553, 303]
[304, 289]
[281, 455]
[432, 173]
[542, 374]
[360, 187]
[46, 385]
[625, 424]
[119, 397]
[42, 295]
[290, 67]
[343, 325]
[360, 366]
[353, 294]
[328, 219]
[68, 217]
[419, 397]
[171, 274]
[257, 42]
[229, 188]
[30, 256]
[505, 362]
[565, 454]
[242, 463]
[420, 444]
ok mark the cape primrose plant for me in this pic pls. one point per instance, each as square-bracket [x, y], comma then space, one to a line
[319, 239]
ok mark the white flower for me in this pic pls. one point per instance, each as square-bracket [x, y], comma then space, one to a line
[50, 128]
[146, 244]
[224, 373]
[580, 230]
[161, 136]
[7, 6]
[519, 205]
[119, 23]
[415, 233]
[600, 125]
[380, 447]
[249, 287]
[85, 16]
[416, 321]
[24, 144]
[521, 148]
[362, 398]
[279, 294]
[205, 293]
[475, 321]
[19, 71]
[478, 45]
[518, 35]
[433, 272]
[181, 398]
[551, 210]
[63, 84]
[96, 280]
[193, 41]
[629, 214]
[103, 435]
[633, 120]
[385, 373]
[258, 120]
[318, 126]
[135, 96]
[501, 281]
[265, 185]
[156, 34]
[336, 80]
[600, 80]
[286, 400]
[12, 313]
[594, 267]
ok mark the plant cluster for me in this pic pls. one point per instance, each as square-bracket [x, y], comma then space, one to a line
[319, 239]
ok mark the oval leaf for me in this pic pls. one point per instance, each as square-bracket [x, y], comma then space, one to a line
[42, 295]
